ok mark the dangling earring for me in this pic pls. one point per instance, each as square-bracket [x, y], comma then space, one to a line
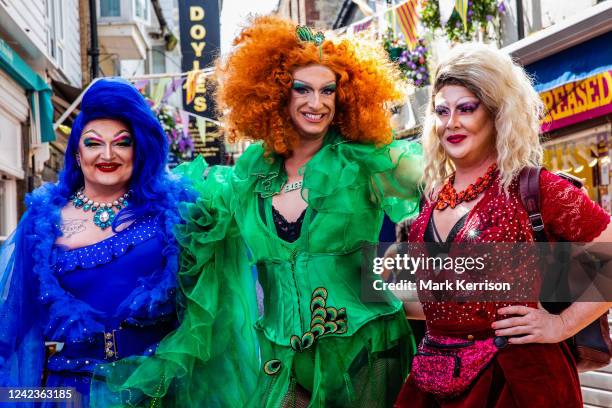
[78, 160]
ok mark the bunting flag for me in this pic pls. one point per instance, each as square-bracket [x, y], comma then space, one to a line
[362, 26]
[65, 129]
[391, 19]
[201, 124]
[462, 8]
[408, 19]
[185, 122]
[446, 8]
[140, 84]
[190, 86]
[172, 88]
[158, 92]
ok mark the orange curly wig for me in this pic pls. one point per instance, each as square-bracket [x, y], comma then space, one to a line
[254, 84]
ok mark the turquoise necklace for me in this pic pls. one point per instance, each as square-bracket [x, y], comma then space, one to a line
[104, 213]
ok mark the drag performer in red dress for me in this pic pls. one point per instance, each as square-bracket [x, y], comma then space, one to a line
[481, 129]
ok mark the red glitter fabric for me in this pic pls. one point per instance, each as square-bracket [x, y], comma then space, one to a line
[542, 375]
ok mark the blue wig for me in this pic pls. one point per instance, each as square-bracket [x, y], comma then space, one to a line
[115, 98]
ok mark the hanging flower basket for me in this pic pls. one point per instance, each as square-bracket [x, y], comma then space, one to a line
[180, 143]
[412, 64]
[482, 16]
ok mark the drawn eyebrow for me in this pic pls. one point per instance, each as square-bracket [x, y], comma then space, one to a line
[92, 131]
[302, 84]
[121, 131]
[100, 136]
[461, 100]
[121, 136]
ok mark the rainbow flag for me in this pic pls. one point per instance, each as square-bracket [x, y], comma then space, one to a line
[408, 19]
[462, 8]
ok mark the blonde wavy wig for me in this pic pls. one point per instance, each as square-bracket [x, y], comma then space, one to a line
[506, 91]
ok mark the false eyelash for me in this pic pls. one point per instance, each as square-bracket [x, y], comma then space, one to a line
[125, 141]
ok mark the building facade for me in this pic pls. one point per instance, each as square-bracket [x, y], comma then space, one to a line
[571, 63]
[39, 45]
[319, 14]
[137, 37]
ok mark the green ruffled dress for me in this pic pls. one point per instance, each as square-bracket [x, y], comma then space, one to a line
[319, 343]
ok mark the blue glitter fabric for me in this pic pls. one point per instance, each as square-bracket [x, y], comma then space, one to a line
[106, 250]
[124, 285]
[125, 268]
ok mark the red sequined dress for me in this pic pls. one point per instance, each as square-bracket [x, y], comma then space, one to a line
[531, 375]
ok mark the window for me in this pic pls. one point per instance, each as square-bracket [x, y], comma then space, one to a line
[110, 8]
[8, 206]
[158, 57]
[56, 22]
[141, 9]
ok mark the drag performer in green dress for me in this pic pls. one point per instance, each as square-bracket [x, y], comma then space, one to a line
[301, 204]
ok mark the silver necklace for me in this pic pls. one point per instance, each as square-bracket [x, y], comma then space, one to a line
[292, 186]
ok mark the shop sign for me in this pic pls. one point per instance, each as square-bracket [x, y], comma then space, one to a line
[577, 101]
[200, 40]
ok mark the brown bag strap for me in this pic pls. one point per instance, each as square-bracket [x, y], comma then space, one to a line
[529, 187]
[590, 344]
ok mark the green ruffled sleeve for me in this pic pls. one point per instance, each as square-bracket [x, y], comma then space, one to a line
[398, 185]
[360, 177]
[211, 360]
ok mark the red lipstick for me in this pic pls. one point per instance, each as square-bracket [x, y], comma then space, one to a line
[454, 139]
[107, 167]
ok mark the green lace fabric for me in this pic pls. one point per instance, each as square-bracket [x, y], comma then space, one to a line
[318, 343]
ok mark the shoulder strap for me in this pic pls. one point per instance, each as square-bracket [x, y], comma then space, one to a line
[529, 187]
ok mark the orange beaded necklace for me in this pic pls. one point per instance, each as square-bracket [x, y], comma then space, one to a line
[448, 196]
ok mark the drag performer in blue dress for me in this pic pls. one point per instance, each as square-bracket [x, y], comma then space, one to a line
[89, 275]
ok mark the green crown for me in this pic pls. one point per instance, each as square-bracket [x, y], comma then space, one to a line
[304, 33]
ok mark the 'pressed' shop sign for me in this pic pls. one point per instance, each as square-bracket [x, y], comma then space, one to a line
[577, 101]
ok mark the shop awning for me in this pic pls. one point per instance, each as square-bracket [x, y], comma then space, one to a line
[573, 64]
[21, 73]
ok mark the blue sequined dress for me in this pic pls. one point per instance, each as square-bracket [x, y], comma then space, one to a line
[94, 304]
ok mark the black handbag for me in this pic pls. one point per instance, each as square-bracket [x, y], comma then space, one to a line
[591, 346]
